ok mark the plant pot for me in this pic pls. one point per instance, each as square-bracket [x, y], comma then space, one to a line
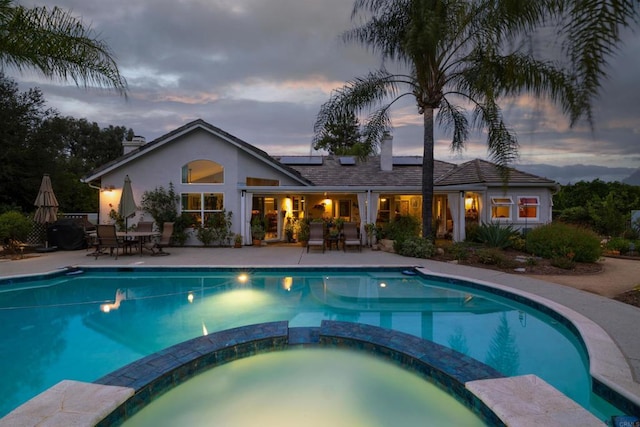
[237, 245]
[257, 242]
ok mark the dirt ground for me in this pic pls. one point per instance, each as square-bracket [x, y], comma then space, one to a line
[611, 277]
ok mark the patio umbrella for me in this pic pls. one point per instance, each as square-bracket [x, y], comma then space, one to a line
[46, 203]
[127, 207]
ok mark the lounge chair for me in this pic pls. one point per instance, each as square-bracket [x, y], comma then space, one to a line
[316, 235]
[108, 239]
[351, 238]
[165, 240]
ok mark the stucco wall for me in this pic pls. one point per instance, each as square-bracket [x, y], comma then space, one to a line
[162, 166]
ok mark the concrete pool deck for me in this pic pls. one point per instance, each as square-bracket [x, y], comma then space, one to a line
[618, 320]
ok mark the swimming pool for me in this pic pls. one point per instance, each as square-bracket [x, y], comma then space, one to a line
[88, 323]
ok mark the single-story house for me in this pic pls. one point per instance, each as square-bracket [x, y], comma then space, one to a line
[212, 170]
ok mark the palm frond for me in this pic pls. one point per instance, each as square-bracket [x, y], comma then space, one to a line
[357, 96]
[593, 30]
[58, 45]
[453, 119]
[502, 143]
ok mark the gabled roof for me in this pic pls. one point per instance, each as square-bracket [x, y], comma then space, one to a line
[483, 172]
[332, 172]
[184, 130]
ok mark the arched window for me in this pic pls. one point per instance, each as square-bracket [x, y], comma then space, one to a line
[202, 172]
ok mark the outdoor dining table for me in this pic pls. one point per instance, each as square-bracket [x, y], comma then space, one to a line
[141, 236]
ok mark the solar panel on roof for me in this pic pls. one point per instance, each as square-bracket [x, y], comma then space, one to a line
[407, 161]
[301, 160]
[347, 161]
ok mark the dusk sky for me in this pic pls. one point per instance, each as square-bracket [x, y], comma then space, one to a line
[260, 69]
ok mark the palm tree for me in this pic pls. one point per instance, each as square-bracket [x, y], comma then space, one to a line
[57, 45]
[452, 54]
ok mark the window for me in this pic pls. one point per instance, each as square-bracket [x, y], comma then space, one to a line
[528, 207]
[202, 172]
[201, 205]
[501, 208]
[384, 213]
[262, 182]
[344, 209]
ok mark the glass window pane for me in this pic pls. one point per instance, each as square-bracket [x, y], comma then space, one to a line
[191, 201]
[213, 201]
[202, 172]
[528, 201]
[500, 212]
[501, 201]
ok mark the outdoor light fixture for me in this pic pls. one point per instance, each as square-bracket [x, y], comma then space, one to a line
[108, 188]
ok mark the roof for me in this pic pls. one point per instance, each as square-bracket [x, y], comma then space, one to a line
[345, 171]
[184, 130]
[483, 172]
[333, 172]
[407, 171]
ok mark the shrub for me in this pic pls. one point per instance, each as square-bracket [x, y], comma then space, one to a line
[493, 256]
[471, 232]
[402, 228]
[564, 262]
[460, 251]
[416, 247]
[161, 204]
[180, 226]
[14, 228]
[618, 244]
[558, 240]
[205, 235]
[496, 235]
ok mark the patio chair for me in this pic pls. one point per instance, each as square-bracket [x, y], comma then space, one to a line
[146, 226]
[108, 239]
[351, 238]
[316, 235]
[156, 248]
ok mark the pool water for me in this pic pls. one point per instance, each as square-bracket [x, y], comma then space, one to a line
[84, 326]
[310, 387]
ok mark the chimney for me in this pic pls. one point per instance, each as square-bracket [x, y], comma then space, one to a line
[135, 143]
[386, 152]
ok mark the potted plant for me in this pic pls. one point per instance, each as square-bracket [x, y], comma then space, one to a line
[289, 230]
[237, 241]
[257, 231]
[303, 232]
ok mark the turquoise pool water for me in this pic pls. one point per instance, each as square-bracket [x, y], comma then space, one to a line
[83, 326]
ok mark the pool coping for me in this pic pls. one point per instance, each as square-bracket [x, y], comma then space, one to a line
[482, 389]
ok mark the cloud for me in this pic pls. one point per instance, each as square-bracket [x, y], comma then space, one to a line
[260, 69]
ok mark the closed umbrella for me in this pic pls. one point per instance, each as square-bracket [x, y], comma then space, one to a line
[127, 207]
[46, 203]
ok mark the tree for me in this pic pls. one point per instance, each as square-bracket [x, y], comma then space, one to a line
[453, 53]
[56, 44]
[21, 113]
[342, 137]
[34, 140]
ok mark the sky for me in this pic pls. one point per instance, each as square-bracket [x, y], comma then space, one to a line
[261, 69]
